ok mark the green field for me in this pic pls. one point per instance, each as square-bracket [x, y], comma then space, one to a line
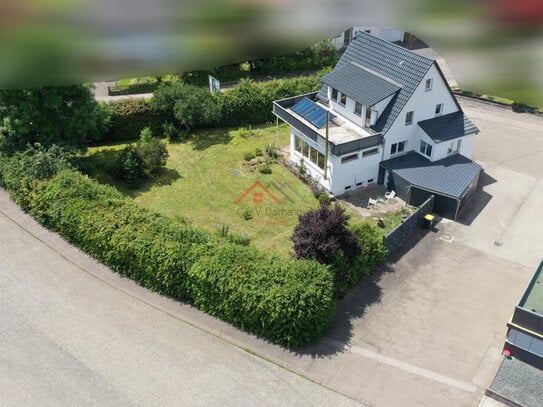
[207, 174]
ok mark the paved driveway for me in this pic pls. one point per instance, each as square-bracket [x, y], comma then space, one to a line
[425, 331]
[428, 329]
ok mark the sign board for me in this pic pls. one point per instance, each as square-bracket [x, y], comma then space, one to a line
[214, 84]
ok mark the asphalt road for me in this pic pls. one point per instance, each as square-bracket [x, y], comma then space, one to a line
[426, 330]
[74, 334]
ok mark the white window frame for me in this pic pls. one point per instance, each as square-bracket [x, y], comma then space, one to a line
[396, 147]
[410, 121]
[348, 158]
[332, 95]
[439, 109]
[454, 147]
[428, 84]
[356, 105]
[370, 152]
[342, 95]
[423, 149]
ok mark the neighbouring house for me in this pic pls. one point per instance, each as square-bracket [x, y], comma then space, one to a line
[388, 34]
[524, 339]
[385, 115]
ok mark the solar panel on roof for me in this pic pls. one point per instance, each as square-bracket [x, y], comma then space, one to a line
[311, 112]
[316, 115]
[303, 105]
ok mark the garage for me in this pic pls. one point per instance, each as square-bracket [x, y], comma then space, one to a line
[452, 181]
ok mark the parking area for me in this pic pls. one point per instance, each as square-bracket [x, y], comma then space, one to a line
[428, 328]
[425, 330]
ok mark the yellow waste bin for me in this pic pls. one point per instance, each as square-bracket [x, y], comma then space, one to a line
[428, 221]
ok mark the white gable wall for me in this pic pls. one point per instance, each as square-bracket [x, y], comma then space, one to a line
[423, 104]
[466, 148]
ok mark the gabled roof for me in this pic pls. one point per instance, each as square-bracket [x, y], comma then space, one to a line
[449, 176]
[448, 127]
[391, 61]
[360, 84]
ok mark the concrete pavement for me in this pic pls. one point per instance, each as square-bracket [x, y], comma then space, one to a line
[74, 333]
[425, 330]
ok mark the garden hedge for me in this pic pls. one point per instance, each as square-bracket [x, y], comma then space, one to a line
[129, 117]
[289, 302]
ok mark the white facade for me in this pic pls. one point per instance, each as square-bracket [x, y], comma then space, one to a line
[344, 173]
[354, 122]
[423, 104]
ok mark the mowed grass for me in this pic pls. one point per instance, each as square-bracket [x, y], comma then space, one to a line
[207, 174]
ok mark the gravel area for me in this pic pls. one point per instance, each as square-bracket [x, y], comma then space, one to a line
[519, 382]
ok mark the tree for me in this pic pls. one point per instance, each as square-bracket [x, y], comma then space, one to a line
[67, 116]
[193, 107]
[322, 234]
[152, 152]
[129, 167]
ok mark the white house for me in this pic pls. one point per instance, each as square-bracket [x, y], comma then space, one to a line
[385, 115]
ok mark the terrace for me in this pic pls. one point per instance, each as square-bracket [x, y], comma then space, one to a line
[343, 136]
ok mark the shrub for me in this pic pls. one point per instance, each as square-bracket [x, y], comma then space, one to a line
[271, 152]
[284, 300]
[225, 233]
[192, 107]
[374, 251]
[248, 156]
[170, 132]
[21, 172]
[130, 116]
[265, 169]
[287, 301]
[322, 234]
[129, 167]
[153, 154]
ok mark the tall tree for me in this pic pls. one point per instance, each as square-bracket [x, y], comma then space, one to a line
[66, 116]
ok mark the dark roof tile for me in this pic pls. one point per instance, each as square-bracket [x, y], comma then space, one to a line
[385, 58]
[360, 84]
[449, 176]
[448, 127]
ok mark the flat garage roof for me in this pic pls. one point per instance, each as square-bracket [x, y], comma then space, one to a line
[449, 176]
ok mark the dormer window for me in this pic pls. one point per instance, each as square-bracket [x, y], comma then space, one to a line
[428, 85]
[334, 94]
[358, 108]
[343, 99]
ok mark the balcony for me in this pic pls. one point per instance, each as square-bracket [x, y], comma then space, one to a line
[343, 136]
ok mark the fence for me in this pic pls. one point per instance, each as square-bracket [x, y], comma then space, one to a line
[395, 239]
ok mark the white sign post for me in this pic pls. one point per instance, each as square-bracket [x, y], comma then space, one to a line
[214, 84]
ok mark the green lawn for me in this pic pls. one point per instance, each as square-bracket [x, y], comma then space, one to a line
[207, 174]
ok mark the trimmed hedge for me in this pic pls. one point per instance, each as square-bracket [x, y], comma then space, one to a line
[130, 116]
[286, 301]
[245, 104]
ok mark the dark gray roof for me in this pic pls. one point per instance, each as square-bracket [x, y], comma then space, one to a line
[360, 84]
[449, 176]
[393, 62]
[448, 127]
